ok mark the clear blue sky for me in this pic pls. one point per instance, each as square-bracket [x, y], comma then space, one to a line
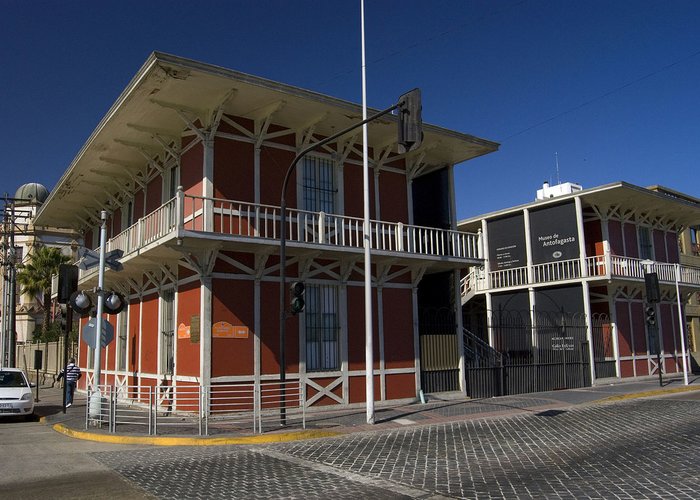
[613, 87]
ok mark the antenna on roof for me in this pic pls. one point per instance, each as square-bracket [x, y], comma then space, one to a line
[556, 162]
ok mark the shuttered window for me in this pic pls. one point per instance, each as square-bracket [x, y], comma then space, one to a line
[322, 328]
[318, 183]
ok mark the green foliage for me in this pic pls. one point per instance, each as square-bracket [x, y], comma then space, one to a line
[53, 333]
[35, 276]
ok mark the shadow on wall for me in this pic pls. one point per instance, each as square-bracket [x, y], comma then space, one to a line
[695, 362]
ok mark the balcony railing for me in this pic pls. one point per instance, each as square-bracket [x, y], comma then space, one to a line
[599, 266]
[187, 213]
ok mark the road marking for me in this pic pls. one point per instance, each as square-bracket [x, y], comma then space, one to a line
[404, 421]
[194, 441]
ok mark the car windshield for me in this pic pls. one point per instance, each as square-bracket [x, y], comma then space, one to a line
[12, 379]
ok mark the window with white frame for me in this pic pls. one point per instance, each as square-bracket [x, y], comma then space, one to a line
[127, 214]
[167, 332]
[318, 185]
[322, 328]
[122, 338]
[171, 182]
[646, 248]
[695, 240]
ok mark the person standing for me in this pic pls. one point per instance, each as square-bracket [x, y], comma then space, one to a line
[72, 375]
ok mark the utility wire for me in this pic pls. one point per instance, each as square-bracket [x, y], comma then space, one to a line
[604, 95]
[427, 40]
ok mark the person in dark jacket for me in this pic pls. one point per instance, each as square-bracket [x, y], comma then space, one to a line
[72, 375]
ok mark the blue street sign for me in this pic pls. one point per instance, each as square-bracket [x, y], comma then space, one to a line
[88, 333]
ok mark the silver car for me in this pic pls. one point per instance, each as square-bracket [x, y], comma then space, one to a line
[15, 393]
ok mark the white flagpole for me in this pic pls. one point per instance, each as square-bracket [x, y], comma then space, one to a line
[369, 351]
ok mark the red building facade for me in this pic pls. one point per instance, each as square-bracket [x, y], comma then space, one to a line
[574, 264]
[189, 164]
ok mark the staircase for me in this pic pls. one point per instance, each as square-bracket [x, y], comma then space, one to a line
[471, 283]
[485, 367]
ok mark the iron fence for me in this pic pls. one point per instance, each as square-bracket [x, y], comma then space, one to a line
[190, 409]
[534, 351]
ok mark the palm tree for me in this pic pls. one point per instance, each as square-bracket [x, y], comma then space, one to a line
[35, 277]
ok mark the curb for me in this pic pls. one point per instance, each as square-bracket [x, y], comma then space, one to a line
[645, 394]
[194, 441]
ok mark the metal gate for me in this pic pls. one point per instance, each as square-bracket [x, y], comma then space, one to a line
[535, 352]
[439, 351]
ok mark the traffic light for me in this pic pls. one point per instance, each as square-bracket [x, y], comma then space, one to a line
[410, 121]
[650, 314]
[114, 303]
[62, 316]
[651, 282]
[296, 304]
[80, 302]
[67, 282]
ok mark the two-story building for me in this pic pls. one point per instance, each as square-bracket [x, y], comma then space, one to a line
[561, 297]
[189, 164]
[689, 241]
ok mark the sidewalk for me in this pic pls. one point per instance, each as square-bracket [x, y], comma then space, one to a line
[437, 409]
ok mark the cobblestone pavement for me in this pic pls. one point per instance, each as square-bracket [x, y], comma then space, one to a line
[635, 449]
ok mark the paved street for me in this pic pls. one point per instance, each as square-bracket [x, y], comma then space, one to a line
[637, 448]
[632, 449]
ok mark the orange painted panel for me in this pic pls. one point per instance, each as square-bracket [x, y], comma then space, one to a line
[109, 362]
[234, 170]
[116, 222]
[233, 303]
[356, 328]
[667, 324]
[642, 366]
[626, 368]
[593, 237]
[673, 365]
[615, 237]
[269, 334]
[154, 194]
[133, 363]
[138, 204]
[398, 328]
[393, 197]
[659, 240]
[630, 235]
[149, 335]
[401, 385]
[191, 170]
[352, 178]
[188, 299]
[273, 167]
[638, 328]
[357, 391]
[672, 245]
[624, 328]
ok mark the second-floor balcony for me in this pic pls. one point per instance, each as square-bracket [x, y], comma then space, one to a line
[597, 267]
[239, 225]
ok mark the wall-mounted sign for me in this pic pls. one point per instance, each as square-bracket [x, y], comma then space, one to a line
[183, 331]
[225, 330]
[562, 343]
[507, 242]
[554, 234]
[194, 329]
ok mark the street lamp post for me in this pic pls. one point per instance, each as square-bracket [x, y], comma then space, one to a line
[681, 321]
[409, 119]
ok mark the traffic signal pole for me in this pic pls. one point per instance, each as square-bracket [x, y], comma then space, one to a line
[66, 339]
[96, 403]
[283, 241]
